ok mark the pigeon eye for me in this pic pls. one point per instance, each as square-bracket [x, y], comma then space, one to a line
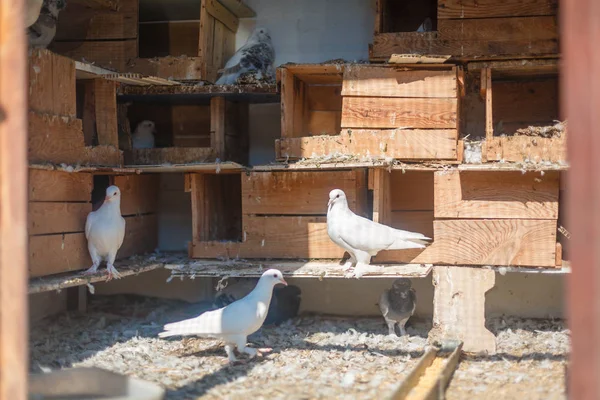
[338, 196]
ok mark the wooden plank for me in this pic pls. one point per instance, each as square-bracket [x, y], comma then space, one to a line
[59, 186]
[191, 125]
[172, 155]
[415, 375]
[53, 254]
[222, 14]
[512, 195]
[287, 103]
[486, 85]
[13, 205]
[324, 97]
[382, 196]
[174, 38]
[413, 221]
[207, 28]
[105, 156]
[218, 42]
[63, 86]
[559, 254]
[391, 82]
[454, 9]
[50, 217]
[295, 193]
[237, 136]
[412, 191]
[527, 148]
[324, 123]
[141, 235]
[217, 126]
[55, 139]
[109, 54]
[51, 83]
[372, 112]
[199, 220]
[178, 68]
[139, 193]
[530, 29]
[106, 112]
[239, 8]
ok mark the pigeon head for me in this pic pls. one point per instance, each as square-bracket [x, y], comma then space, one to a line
[401, 285]
[336, 196]
[113, 195]
[261, 34]
[273, 277]
[146, 126]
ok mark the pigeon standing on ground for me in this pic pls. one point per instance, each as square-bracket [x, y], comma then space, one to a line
[426, 26]
[398, 304]
[143, 136]
[235, 322]
[257, 55]
[42, 32]
[285, 303]
[363, 238]
[104, 231]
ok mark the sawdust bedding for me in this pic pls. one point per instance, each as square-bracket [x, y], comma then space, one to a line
[313, 356]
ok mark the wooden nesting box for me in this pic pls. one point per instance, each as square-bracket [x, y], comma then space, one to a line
[465, 29]
[59, 203]
[475, 217]
[280, 214]
[192, 133]
[369, 111]
[521, 112]
[59, 130]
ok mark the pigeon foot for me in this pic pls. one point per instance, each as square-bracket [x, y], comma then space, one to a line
[112, 273]
[92, 270]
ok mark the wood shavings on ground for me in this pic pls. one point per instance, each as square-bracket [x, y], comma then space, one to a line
[313, 356]
[552, 131]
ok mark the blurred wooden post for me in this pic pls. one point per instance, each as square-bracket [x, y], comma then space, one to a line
[580, 101]
[13, 202]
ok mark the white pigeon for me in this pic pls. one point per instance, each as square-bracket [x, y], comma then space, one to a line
[42, 32]
[398, 304]
[235, 322]
[105, 231]
[426, 26]
[143, 136]
[363, 238]
[257, 55]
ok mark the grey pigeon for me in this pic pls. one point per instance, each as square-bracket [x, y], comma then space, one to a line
[42, 32]
[426, 26]
[105, 231]
[257, 55]
[361, 237]
[32, 11]
[235, 322]
[143, 136]
[398, 304]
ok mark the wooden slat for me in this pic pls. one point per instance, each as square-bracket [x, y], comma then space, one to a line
[496, 195]
[141, 235]
[412, 191]
[139, 193]
[390, 82]
[178, 68]
[55, 139]
[382, 196]
[558, 255]
[413, 221]
[59, 186]
[527, 148]
[239, 8]
[53, 254]
[110, 54]
[106, 112]
[451, 9]
[172, 155]
[51, 83]
[222, 14]
[499, 29]
[372, 112]
[324, 98]
[207, 29]
[190, 125]
[199, 220]
[323, 123]
[486, 87]
[47, 217]
[218, 42]
[237, 138]
[295, 193]
[287, 103]
[217, 126]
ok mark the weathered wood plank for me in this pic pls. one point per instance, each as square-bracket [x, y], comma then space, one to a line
[111, 54]
[382, 196]
[453, 9]
[178, 68]
[324, 98]
[172, 155]
[413, 221]
[105, 102]
[53, 254]
[141, 235]
[530, 29]
[487, 90]
[390, 82]
[295, 193]
[513, 195]
[372, 112]
[239, 8]
[527, 148]
[412, 191]
[50, 217]
[199, 220]
[51, 83]
[287, 103]
[217, 126]
[323, 123]
[222, 14]
[59, 186]
[139, 193]
[55, 139]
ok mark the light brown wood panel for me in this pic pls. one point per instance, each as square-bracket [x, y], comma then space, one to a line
[287, 104]
[324, 97]
[105, 103]
[178, 68]
[59, 186]
[391, 82]
[372, 112]
[470, 194]
[324, 123]
[103, 155]
[50, 217]
[141, 235]
[412, 191]
[499, 29]
[191, 125]
[296, 193]
[452, 9]
[139, 193]
[413, 221]
[173, 155]
[112, 54]
[55, 139]
[217, 126]
[53, 254]
[530, 102]
[522, 148]
[222, 14]
[51, 83]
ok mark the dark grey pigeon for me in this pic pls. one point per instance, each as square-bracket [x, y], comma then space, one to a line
[398, 304]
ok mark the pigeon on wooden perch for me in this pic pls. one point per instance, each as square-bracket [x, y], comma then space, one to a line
[257, 56]
[235, 322]
[363, 238]
[398, 304]
[426, 26]
[143, 136]
[104, 231]
[32, 11]
[42, 32]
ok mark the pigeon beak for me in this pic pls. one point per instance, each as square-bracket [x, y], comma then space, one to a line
[107, 198]
[329, 203]
[282, 281]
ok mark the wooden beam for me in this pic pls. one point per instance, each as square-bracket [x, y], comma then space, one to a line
[199, 218]
[217, 126]
[13, 205]
[486, 87]
[466, 9]
[239, 8]
[222, 14]
[287, 103]
[106, 112]
[382, 196]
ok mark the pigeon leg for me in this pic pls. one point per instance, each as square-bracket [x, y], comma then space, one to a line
[391, 327]
[230, 353]
[350, 263]
[250, 351]
[95, 260]
[112, 271]
[401, 326]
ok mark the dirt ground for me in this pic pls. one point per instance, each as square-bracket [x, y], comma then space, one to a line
[314, 357]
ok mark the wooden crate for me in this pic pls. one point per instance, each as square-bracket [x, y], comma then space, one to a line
[465, 29]
[474, 217]
[353, 110]
[521, 101]
[281, 214]
[192, 133]
[57, 134]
